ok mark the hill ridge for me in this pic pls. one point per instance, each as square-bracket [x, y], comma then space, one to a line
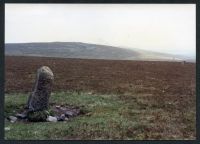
[84, 51]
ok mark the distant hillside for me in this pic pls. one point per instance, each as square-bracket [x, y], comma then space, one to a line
[83, 50]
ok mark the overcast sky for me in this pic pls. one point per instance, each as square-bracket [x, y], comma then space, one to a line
[168, 28]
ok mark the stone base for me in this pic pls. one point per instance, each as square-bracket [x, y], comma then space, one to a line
[38, 116]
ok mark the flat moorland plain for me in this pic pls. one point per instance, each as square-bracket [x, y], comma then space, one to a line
[125, 99]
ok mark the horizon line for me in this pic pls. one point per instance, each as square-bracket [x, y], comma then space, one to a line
[122, 47]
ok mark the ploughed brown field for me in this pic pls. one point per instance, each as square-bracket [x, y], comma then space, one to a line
[168, 85]
[104, 76]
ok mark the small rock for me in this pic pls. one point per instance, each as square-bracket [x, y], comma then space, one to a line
[90, 93]
[51, 119]
[66, 119]
[12, 119]
[62, 108]
[61, 118]
[69, 114]
[57, 107]
[58, 118]
[7, 128]
[21, 116]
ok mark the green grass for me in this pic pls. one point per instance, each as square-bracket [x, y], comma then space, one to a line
[129, 117]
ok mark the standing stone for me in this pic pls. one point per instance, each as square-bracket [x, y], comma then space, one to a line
[39, 98]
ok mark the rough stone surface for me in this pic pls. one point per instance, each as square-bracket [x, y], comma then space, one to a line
[37, 116]
[39, 98]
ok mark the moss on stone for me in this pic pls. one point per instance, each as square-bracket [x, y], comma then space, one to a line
[38, 116]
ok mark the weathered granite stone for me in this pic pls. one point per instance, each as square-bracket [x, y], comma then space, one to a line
[39, 98]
